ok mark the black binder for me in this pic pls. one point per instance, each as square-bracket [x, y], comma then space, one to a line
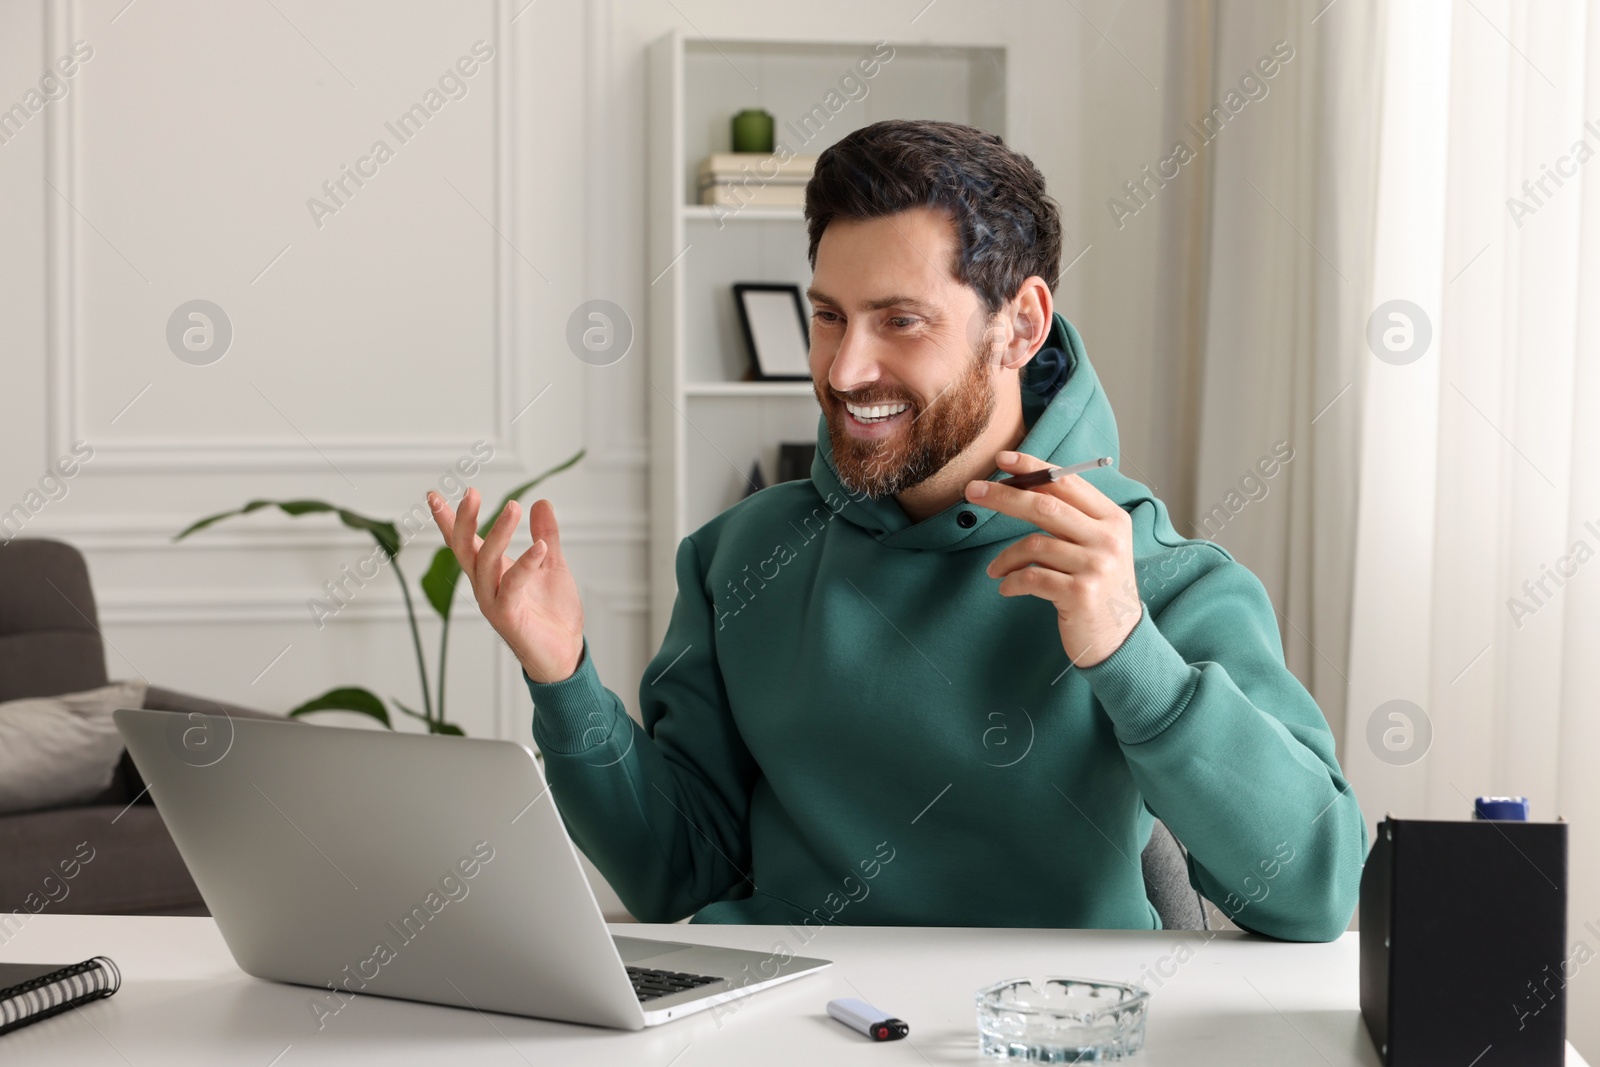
[1464, 943]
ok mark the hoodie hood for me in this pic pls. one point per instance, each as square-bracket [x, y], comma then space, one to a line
[1068, 420]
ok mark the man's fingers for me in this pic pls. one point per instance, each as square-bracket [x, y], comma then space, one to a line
[545, 548]
[449, 521]
[525, 569]
[1051, 552]
[491, 561]
[1081, 494]
[1042, 507]
[1041, 582]
[542, 526]
[1022, 464]
[444, 516]
[1085, 506]
[463, 535]
[1074, 489]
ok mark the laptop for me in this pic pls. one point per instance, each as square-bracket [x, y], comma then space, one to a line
[371, 863]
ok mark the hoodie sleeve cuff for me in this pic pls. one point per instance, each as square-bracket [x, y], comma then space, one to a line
[1144, 685]
[573, 714]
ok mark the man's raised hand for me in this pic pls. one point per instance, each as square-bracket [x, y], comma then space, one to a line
[532, 602]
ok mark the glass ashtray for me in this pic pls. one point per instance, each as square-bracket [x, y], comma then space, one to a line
[1061, 1020]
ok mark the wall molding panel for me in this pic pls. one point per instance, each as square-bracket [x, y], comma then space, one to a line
[208, 613]
[68, 377]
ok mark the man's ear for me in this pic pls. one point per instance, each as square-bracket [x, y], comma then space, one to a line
[1030, 314]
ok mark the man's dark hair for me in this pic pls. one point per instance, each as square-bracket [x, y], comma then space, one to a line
[1007, 226]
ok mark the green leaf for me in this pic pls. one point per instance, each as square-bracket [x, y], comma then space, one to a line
[434, 727]
[347, 699]
[408, 711]
[385, 533]
[439, 584]
[516, 494]
[252, 506]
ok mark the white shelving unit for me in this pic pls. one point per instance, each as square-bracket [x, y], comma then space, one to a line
[707, 425]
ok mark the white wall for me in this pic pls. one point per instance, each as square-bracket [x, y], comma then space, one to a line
[371, 352]
[367, 358]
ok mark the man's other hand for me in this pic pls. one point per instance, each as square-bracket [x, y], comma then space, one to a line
[1082, 562]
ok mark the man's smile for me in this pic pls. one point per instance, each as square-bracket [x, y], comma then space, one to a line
[873, 421]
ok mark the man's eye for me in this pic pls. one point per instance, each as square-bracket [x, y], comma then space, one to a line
[826, 317]
[900, 322]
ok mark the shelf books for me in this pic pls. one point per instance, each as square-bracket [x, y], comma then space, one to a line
[754, 179]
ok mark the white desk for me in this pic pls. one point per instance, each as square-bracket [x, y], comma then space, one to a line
[1236, 1001]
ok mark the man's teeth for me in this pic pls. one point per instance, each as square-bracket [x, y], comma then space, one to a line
[876, 413]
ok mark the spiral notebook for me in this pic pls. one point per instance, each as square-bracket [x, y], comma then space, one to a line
[33, 991]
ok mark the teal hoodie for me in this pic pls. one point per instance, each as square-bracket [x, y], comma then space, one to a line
[847, 724]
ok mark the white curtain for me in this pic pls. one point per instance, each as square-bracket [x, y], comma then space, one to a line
[1287, 276]
[1433, 548]
[1477, 591]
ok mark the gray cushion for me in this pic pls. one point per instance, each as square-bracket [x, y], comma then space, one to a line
[61, 750]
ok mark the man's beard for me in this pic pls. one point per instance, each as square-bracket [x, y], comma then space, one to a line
[935, 436]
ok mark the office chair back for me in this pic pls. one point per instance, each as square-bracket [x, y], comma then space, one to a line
[1166, 882]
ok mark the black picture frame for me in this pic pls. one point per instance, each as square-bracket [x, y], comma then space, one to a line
[755, 301]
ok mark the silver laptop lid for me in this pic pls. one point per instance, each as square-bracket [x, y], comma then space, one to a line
[400, 865]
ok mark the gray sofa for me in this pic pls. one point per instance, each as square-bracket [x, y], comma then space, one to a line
[50, 644]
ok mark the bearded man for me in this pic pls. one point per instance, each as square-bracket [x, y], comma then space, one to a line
[901, 692]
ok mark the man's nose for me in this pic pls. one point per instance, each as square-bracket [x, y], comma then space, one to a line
[855, 364]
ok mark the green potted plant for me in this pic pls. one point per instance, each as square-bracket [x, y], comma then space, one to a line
[438, 588]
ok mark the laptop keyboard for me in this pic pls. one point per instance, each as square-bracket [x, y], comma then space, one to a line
[649, 983]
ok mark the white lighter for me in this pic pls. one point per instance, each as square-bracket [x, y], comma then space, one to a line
[859, 1015]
